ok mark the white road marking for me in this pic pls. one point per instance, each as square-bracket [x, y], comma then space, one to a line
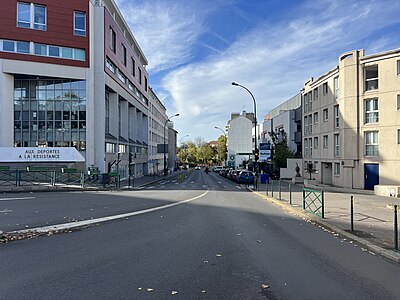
[22, 198]
[109, 218]
[5, 211]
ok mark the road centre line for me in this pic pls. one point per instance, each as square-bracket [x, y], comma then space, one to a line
[21, 198]
[105, 219]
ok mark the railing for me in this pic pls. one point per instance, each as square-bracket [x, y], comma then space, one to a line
[38, 176]
[313, 201]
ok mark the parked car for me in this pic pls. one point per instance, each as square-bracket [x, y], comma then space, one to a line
[224, 172]
[232, 175]
[217, 169]
[197, 168]
[246, 177]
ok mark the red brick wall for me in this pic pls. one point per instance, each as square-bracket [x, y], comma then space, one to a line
[60, 29]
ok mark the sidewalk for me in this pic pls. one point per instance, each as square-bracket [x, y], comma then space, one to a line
[373, 215]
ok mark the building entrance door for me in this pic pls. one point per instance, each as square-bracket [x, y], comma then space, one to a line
[371, 176]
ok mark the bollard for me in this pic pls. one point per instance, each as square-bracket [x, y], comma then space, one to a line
[280, 190]
[304, 199]
[266, 187]
[396, 232]
[272, 188]
[290, 193]
[351, 214]
[323, 205]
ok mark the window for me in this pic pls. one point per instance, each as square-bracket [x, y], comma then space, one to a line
[305, 147]
[398, 67]
[325, 140]
[145, 83]
[398, 136]
[31, 15]
[315, 94]
[40, 49]
[310, 101]
[110, 147]
[325, 88]
[336, 141]
[67, 53]
[336, 116]
[9, 46]
[80, 54]
[305, 100]
[121, 148]
[123, 57]
[371, 77]
[113, 40]
[23, 47]
[54, 51]
[107, 113]
[140, 75]
[325, 114]
[316, 143]
[310, 145]
[110, 66]
[398, 102]
[316, 166]
[121, 76]
[371, 111]
[336, 83]
[79, 23]
[133, 66]
[371, 143]
[337, 168]
[316, 118]
[305, 125]
[310, 123]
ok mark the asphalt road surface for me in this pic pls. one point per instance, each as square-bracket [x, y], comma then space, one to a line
[201, 238]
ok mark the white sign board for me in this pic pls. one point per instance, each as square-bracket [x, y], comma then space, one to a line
[33, 154]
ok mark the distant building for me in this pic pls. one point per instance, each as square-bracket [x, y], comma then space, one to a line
[240, 139]
[351, 121]
[172, 160]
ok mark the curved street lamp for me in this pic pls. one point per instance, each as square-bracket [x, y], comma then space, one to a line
[255, 122]
[165, 154]
[180, 141]
[223, 131]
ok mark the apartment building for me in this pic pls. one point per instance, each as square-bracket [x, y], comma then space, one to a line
[240, 144]
[73, 77]
[157, 119]
[351, 121]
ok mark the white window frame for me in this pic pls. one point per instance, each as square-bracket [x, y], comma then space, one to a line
[336, 85]
[325, 141]
[315, 92]
[336, 168]
[370, 79]
[372, 115]
[77, 31]
[316, 142]
[111, 66]
[32, 22]
[371, 146]
[310, 145]
[325, 115]
[316, 118]
[336, 116]
[336, 139]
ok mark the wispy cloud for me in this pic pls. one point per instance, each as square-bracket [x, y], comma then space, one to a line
[273, 61]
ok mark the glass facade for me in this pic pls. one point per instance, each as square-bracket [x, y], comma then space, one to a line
[49, 113]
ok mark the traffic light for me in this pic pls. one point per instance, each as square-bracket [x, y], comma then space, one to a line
[256, 155]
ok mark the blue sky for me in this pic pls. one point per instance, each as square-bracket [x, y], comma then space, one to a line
[197, 48]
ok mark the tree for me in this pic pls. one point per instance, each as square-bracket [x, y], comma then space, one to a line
[280, 149]
[310, 169]
[221, 148]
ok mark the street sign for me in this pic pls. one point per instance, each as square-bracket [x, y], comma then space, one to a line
[265, 151]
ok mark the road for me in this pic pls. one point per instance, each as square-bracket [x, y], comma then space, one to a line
[202, 238]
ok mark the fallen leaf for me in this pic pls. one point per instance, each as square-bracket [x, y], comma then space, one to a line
[139, 288]
[174, 292]
[218, 255]
[150, 289]
[205, 261]
[265, 286]
[203, 291]
[259, 241]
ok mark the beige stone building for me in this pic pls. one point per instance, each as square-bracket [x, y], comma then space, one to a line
[351, 121]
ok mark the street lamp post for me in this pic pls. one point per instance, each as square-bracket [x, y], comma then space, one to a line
[255, 124]
[216, 127]
[180, 141]
[165, 154]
